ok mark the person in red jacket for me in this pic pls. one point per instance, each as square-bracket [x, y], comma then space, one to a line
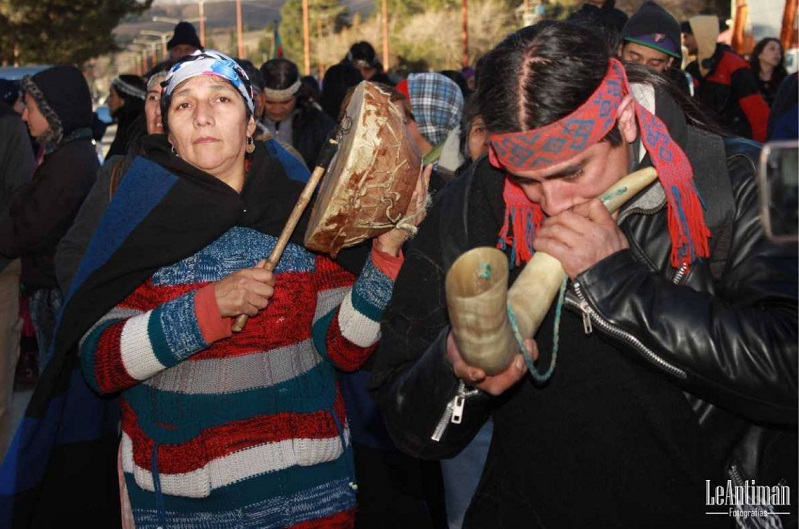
[723, 80]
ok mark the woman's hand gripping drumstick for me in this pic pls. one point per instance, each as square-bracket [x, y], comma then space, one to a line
[325, 157]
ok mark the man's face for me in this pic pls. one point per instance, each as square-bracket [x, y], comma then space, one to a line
[279, 110]
[573, 182]
[37, 123]
[645, 56]
[179, 51]
[689, 41]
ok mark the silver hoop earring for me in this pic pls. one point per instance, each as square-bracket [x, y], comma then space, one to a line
[174, 151]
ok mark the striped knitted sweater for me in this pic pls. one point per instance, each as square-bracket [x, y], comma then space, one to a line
[248, 429]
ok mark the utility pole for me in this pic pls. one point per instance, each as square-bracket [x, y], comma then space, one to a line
[465, 33]
[202, 21]
[384, 23]
[306, 36]
[239, 29]
[320, 68]
[160, 34]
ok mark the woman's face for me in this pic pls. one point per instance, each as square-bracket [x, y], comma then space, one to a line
[771, 54]
[208, 127]
[114, 100]
[37, 123]
[478, 138]
[279, 110]
[152, 110]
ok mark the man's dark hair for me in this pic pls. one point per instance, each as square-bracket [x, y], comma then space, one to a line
[560, 63]
[279, 74]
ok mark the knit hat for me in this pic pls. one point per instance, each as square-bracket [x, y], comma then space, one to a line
[437, 104]
[63, 98]
[128, 85]
[654, 27]
[184, 34]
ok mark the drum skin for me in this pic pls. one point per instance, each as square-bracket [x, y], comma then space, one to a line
[369, 184]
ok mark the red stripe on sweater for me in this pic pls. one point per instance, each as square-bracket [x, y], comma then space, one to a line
[219, 441]
[287, 319]
[345, 354]
[340, 520]
[109, 371]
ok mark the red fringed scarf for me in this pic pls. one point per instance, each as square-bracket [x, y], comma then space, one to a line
[564, 139]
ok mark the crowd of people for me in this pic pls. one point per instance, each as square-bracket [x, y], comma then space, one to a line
[669, 359]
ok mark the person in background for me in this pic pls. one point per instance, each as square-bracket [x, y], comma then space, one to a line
[363, 56]
[723, 81]
[437, 107]
[184, 41]
[338, 79]
[58, 112]
[461, 473]
[73, 244]
[596, 409]
[783, 121]
[602, 15]
[768, 64]
[16, 168]
[290, 118]
[126, 103]
[11, 91]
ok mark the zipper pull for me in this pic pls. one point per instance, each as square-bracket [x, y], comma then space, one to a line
[588, 328]
[457, 409]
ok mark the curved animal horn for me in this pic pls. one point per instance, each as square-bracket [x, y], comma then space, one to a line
[478, 297]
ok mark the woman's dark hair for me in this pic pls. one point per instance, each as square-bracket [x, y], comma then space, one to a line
[562, 64]
[338, 79]
[780, 72]
[279, 74]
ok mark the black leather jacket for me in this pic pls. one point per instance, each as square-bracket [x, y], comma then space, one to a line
[728, 338]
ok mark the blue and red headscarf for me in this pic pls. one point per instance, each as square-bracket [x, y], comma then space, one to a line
[566, 138]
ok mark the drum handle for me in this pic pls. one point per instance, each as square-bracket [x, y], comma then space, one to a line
[325, 157]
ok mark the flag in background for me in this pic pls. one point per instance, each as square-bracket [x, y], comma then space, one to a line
[277, 48]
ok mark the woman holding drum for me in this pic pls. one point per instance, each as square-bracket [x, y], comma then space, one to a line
[223, 429]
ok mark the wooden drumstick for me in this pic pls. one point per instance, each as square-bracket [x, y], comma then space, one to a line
[325, 157]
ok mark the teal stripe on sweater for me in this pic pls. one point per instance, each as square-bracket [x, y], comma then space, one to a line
[88, 353]
[371, 292]
[319, 334]
[313, 391]
[174, 332]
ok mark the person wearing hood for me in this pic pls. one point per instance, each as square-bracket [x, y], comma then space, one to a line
[126, 103]
[436, 106]
[58, 112]
[723, 80]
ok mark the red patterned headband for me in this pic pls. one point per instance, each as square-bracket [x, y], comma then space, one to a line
[562, 140]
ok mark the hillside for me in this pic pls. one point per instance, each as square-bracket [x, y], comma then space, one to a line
[220, 16]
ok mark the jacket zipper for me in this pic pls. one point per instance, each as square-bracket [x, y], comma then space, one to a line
[590, 317]
[453, 413]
